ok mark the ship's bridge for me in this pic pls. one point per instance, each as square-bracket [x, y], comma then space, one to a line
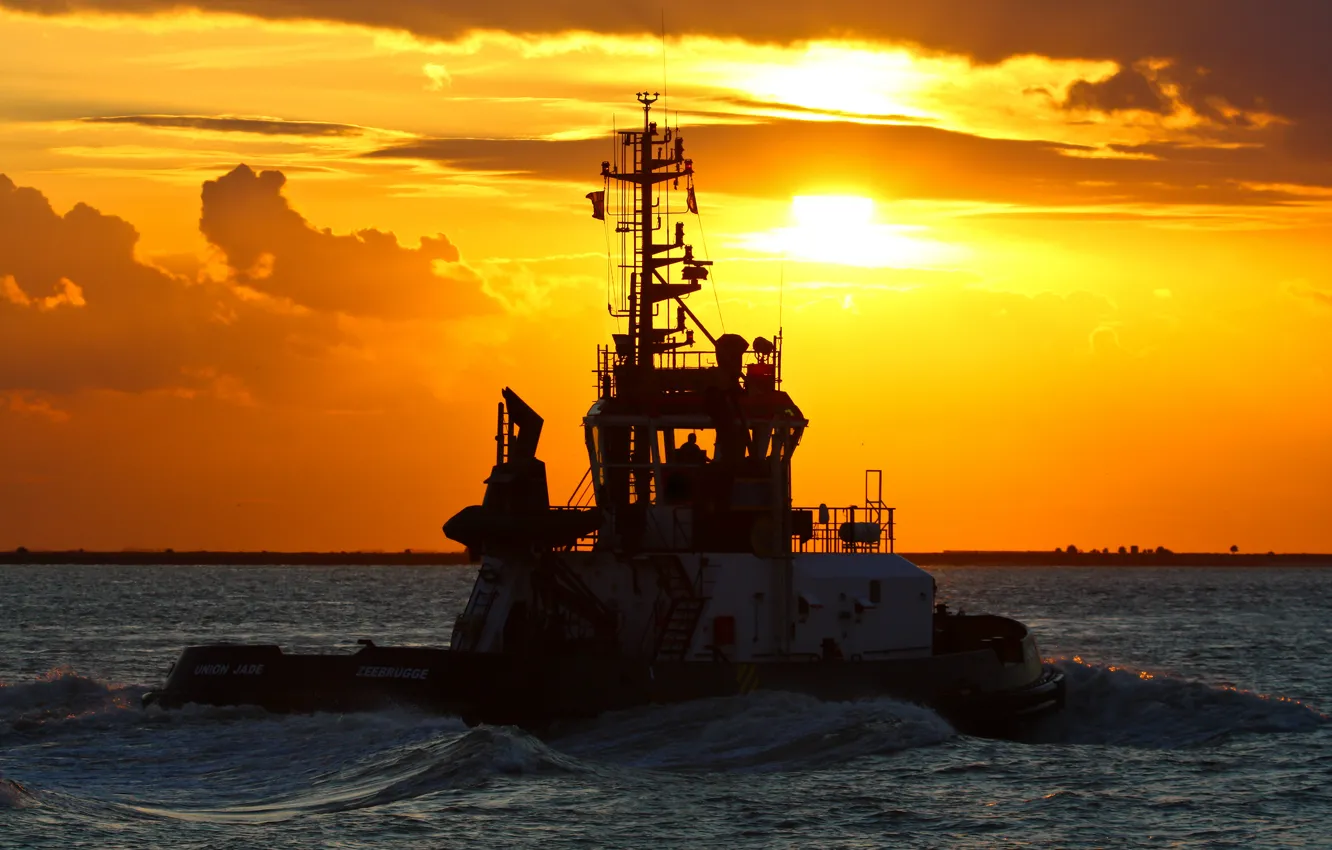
[693, 450]
[694, 454]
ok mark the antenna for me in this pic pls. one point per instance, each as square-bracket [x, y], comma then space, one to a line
[666, 121]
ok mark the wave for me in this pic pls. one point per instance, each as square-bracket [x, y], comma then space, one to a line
[759, 732]
[13, 795]
[1112, 705]
[62, 694]
[765, 730]
[453, 761]
[468, 761]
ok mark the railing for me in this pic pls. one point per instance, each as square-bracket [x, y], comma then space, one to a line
[849, 529]
[842, 529]
[760, 370]
[584, 493]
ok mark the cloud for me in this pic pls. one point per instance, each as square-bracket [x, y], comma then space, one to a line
[68, 292]
[284, 317]
[909, 161]
[228, 124]
[274, 250]
[766, 106]
[1223, 55]
[26, 404]
[1302, 289]
[133, 326]
[438, 76]
[1127, 89]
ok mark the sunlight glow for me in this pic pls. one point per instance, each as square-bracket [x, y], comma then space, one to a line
[831, 213]
[838, 79]
[840, 230]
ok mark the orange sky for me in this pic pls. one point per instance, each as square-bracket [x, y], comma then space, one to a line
[1060, 269]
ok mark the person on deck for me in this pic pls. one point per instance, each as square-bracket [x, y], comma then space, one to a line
[690, 452]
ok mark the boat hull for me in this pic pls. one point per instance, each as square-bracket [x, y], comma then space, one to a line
[975, 691]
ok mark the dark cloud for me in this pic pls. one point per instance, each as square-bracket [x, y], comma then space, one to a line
[79, 310]
[1248, 54]
[1125, 90]
[262, 126]
[136, 327]
[367, 273]
[783, 158]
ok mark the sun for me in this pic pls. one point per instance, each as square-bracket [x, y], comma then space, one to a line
[842, 230]
[834, 229]
[828, 215]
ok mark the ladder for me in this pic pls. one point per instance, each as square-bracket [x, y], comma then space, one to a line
[687, 600]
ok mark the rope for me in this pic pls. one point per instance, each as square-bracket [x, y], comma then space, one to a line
[704, 236]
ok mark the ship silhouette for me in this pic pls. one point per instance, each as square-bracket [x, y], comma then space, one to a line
[680, 568]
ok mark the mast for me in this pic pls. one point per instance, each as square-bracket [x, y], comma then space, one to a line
[641, 168]
[642, 344]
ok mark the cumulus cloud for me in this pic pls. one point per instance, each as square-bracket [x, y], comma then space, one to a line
[274, 250]
[80, 311]
[68, 293]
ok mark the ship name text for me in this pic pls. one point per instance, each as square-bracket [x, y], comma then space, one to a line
[370, 672]
[223, 669]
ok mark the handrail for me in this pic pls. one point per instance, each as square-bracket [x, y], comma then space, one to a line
[847, 529]
[579, 498]
[676, 360]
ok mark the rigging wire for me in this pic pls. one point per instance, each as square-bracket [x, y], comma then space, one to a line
[704, 237]
[665, 114]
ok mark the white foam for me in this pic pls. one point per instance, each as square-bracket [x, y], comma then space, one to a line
[1114, 705]
[61, 695]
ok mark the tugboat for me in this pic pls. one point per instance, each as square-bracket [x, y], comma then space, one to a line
[680, 568]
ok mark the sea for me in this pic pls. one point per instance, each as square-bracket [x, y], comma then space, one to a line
[1197, 716]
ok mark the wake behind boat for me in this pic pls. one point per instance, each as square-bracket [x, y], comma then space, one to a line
[680, 569]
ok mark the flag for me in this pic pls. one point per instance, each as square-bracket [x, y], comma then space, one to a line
[598, 200]
[691, 202]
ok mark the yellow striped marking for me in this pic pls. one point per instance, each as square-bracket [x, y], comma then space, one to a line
[746, 677]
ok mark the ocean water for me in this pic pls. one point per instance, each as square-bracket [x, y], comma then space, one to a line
[1196, 718]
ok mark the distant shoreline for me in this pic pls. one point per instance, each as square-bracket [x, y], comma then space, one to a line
[410, 558]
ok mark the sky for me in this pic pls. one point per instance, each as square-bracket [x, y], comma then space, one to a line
[1059, 269]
